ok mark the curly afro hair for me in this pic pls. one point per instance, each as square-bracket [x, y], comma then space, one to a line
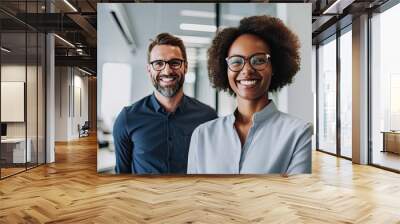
[283, 43]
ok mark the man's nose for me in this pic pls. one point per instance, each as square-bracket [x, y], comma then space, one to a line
[167, 69]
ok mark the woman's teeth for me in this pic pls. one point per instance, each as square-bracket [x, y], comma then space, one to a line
[248, 82]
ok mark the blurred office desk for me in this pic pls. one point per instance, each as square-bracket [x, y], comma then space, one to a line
[105, 153]
[391, 141]
[13, 150]
[105, 160]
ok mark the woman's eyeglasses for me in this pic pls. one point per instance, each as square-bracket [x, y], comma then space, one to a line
[257, 61]
[174, 64]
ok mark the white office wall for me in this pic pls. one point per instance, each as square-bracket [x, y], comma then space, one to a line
[80, 108]
[68, 81]
[115, 50]
[117, 91]
[12, 101]
[360, 90]
[300, 92]
[61, 103]
[314, 90]
[17, 73]
[33, 126]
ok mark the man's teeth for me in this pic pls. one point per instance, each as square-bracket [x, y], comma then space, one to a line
[248, 82]
[167, 79]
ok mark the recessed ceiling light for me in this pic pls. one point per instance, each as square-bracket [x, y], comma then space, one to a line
[197, 13]
[337, 7]
[70, 5]
[195, 39]
[210, 15]
[84, 71]
[198, 27]
[232, 17]
[5, 49]
[64, 40]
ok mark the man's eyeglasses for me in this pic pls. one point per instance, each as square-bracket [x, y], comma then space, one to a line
[174, 64]
[257, 61]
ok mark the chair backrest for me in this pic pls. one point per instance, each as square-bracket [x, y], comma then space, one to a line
[86, 125]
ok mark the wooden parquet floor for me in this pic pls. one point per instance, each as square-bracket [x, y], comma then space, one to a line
[70, 191]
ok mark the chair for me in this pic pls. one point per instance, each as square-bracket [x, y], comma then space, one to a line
[84, 130]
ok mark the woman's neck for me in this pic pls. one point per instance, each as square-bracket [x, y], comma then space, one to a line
[247, 108]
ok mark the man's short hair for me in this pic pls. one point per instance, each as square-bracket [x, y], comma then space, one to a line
[167, 39]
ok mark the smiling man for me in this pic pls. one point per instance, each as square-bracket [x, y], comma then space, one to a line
[152, 136]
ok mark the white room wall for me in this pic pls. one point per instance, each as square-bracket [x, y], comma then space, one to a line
[300, 92]
[67, 79]
[50, 96]
[79, 118]
[33, 126]
[122, 65]
[12, 73]
[61, 103]
[314, 90]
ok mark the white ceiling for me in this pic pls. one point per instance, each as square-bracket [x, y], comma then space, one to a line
[147, 20]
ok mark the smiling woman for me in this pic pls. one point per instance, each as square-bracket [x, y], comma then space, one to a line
[261, 55]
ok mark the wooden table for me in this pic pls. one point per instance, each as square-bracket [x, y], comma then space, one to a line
[391, 141]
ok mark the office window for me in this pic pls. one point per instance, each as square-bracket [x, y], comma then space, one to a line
[346, 93]
[327, 95]
[385, 89]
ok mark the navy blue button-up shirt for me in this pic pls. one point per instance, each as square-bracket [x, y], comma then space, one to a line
[149, 140]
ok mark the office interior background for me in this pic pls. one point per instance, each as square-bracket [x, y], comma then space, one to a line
[48, 82]
[122, 58]
[49, 106]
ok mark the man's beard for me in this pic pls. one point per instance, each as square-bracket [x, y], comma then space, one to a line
[170, 90]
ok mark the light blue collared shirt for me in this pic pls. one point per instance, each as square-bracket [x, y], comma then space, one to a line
[276, 143]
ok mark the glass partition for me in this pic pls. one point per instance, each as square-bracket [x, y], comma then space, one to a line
[327, 96]
[22, 88]
[13, 105]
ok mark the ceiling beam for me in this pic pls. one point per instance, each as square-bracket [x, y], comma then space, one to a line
[86, 27]
[83, 61]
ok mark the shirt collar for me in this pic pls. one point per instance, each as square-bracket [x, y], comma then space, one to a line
[261, 115]
[265, 113]
[159, 108]
[154, 102]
